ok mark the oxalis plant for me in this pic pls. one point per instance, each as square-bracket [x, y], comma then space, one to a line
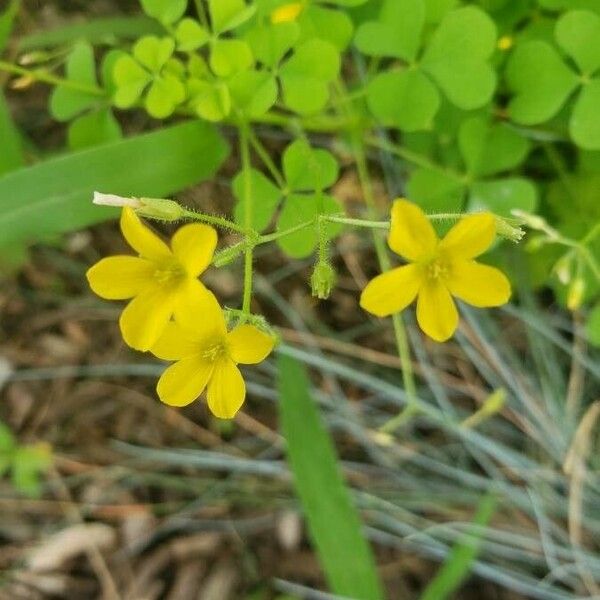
[469, 99]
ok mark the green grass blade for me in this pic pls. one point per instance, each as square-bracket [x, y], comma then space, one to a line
[332, 519]
[11, 154]
[55, 196]
[6, 21]
[95, 31]
[459, 561]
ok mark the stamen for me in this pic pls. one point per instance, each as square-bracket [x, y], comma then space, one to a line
[169, 273]
[437, 269]
[214, 351]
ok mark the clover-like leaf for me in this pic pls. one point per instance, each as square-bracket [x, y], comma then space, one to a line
[306, 75]
[324, 23]
[501, 196]
[190, 35]
[266, 197]
[270, 43]
[457, 57]
[308, 169]
[541, 81]
[165, 93]
[153, 52]
[211, 101]
[584, 125]
[578, 34]
[436, 191]
[301, 208]
[404, 99]
[93, 128]
[435, 10]
[488, 149]
[226, 15]
[67, 102]
[397, 32]
[165, 11]
[130, 80]
[253, 92]
[230, 56]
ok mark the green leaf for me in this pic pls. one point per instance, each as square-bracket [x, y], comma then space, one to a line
[165, 11]
[230, 56]
[584, 125]
[265, 196]
[457, 57]
[333, 521]
[331, 25]
[306, 75]
[578, 34]
[403, 99]
[11, 156]
[65, 102]
[435, 10]
[211, 101]
[436, 191]
[540, 80]
[501, 196]
[570, 4]
[6, 21]
[253, 92]
[308, 169]
[93, 129]
[130, 81]
[301, 208]
[7, 439]
[489, 149]
[396, 33]
[54, 197]
[592, 326]
[458, 564]
[29, 463]
[270, 43]
[229, 14]
[190, 35]
[165, 93]
[153, 52]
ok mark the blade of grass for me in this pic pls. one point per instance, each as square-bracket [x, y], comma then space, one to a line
[332, 519]
[459, 562]
[54, 197]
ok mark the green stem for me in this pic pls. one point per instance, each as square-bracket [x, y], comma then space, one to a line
[267, 160]
[46, 77]
[248, 210]
[270, 237]
[214, 220]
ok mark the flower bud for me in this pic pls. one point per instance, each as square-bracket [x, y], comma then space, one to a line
[530, 220]
[114, 200]
[508, 231]
[563, 269]
[576, 293]
[323, 280]
[286, 13]
[160, 208]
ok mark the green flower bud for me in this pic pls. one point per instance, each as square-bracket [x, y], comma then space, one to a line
[506, 230]
[323, 280]
[160, 208]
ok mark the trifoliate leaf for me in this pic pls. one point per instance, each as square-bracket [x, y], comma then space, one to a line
[66, 102]
[299, 209]
[153, 52]
[578, 34]
[211, 101]
[307, 168]
[229, 14]
[541, 82]
[165, 11]
[197, 67]
[584, 125]
[457, 57]
[489, 149]
[165, 93]
[435, 191]
[306, 75]
[253, 92]
[328, 24]
[396, 33]
[265, 195]
[270, 43]
[501, 196]
[190, 35]
[92, 129]
[435, 10]
[230, 56]
[130, 79]
[403, 99]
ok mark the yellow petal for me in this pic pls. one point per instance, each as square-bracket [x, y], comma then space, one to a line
[391, 292]
[479, 285]
[194, 246]
[411, 235]
[120, 277]
[249, 345]
[184, 381]
[140, 238]
[226, 390]
[470, 237]
[436, 312]
[198, 311]
[145, 317]
[175, 343]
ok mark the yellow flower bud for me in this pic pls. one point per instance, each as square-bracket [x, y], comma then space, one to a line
[286, 13]
[506, 42]
[575, 294]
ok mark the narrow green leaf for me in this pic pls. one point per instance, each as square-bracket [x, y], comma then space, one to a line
[459, 561]
[332, 519]
[54, 197]
[6, 21]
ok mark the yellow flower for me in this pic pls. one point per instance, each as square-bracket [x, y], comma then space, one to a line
[437, 270]
[207, 356]
[286, 13]
[161, 281]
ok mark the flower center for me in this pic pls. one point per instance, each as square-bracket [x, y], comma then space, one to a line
[169, 273]
[437, 269]
[215, 351]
